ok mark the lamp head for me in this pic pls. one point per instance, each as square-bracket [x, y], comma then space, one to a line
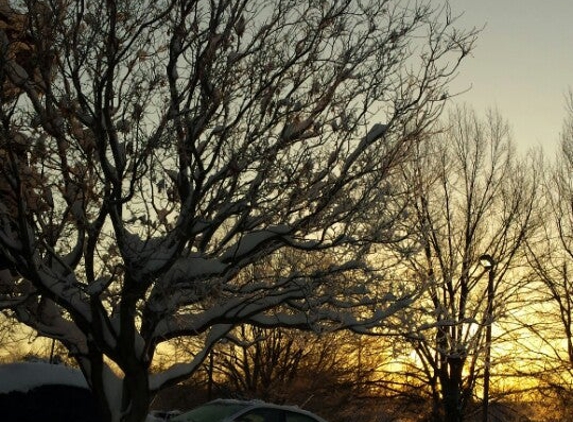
[486, 261]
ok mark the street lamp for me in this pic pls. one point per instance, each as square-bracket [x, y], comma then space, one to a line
[489, 264]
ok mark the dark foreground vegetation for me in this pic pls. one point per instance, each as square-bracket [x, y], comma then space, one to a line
[342, 403]
[345, 378]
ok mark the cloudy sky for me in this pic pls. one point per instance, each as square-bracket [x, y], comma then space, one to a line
[522, 65]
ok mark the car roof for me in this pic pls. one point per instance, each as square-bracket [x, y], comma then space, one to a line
[256, 403]
[24, 376]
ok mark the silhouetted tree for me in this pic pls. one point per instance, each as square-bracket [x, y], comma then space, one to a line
[155, 150]
[551, 257]
[472, 197]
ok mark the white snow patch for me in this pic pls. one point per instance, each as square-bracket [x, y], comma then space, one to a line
[153, 251]
[113, 391]
[25, 376]
[193, 267]
[251, 241]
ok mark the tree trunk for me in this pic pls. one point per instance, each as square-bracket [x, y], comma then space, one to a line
[452, 390]
[135, 400]
[136, 396]
[436, 401]
[93, 368]
[452, 406]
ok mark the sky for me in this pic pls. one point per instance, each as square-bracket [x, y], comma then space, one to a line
[522, 65]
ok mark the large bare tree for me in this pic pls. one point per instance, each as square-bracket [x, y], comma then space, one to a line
[474, 200]
[550, 256]
[154, 150]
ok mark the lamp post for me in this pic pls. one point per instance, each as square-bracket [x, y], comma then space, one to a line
[489, 264]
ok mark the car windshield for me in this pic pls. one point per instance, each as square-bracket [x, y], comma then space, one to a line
[214, 412]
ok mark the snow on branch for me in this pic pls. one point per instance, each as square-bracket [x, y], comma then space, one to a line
[183, 370]
[147, 255]
[231, 310]
[250, 243]
[196, 266]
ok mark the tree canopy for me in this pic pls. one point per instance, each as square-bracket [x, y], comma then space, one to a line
[155, 152]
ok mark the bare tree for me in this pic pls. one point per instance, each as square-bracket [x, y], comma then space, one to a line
[280, 365]
[550, 256]
[258, 362]
[473, 199]
[154, 150]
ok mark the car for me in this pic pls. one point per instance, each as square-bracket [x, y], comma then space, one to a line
[33, 391]
[230, 410]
